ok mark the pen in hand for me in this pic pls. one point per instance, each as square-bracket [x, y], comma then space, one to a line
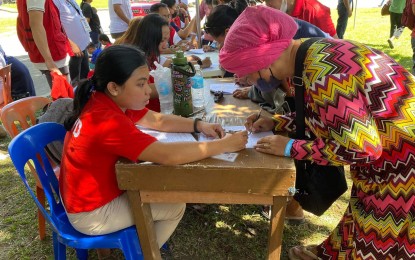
[256, 119]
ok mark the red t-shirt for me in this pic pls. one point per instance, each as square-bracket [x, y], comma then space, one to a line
[102, 135]
[177, 21]
[314, 12]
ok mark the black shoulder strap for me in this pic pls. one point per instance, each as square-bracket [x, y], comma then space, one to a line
[299, 86]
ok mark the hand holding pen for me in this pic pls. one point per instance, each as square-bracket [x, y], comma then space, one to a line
[257, 123]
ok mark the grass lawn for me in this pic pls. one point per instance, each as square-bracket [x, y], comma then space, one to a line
[7, 25]
[223, 231]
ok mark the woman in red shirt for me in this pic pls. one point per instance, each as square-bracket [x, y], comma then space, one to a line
[151, 34]
[102, 129]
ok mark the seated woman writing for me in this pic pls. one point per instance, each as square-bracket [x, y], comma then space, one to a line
[102, 129]
[151, 34]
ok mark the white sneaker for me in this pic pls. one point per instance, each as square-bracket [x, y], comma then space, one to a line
[398, 32]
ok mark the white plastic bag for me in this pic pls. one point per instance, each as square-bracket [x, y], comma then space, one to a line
[162, 81]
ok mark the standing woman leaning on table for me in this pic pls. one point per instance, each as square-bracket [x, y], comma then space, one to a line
[103, 129]
[360, 105]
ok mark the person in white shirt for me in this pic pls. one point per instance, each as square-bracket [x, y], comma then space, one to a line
[77, 28]
[120, 16]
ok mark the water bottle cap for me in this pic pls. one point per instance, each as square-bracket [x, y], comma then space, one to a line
[179, 58]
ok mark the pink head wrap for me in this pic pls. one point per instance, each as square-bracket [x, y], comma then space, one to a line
[256, 39]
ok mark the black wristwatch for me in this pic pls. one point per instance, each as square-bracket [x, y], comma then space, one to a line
[195, 125]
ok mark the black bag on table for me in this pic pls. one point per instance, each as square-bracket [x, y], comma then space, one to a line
[317, 186]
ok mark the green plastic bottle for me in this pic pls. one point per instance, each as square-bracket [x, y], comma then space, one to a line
[181, 72]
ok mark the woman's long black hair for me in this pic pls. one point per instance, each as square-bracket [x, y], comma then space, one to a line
[223, 16]
[114, 64]
[145, 33]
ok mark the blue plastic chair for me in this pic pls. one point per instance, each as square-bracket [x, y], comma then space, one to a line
[29, 145]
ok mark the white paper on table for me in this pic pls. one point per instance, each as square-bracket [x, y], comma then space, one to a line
[197, 51]
[226, 88]
[168, 137]
[252, 138]
[229, 157]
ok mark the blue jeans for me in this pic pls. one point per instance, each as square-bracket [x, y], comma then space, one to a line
[342, 20]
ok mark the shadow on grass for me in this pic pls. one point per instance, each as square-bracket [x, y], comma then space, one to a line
[233, 232]
[4, 144]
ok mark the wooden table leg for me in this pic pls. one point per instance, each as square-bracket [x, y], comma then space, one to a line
[276, 227]
[145, 226]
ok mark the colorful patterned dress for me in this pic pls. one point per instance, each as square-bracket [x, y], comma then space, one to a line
[360, 104]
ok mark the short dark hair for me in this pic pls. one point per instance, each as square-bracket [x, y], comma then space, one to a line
[223, 16]
[91, 45]
[169, 3]
[104, 37]
[156, 7]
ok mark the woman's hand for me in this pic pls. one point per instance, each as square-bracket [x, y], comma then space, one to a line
[261, 124]
[241, 93]
[242, 82]
[76, 50]
[207, 48]
[236, 141]
[273, 144]
[206, 63]
[210, 130]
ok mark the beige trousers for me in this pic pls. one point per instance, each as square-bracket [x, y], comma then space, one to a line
[117, 215]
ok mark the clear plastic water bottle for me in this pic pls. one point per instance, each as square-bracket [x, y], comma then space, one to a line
[162, 81]
[197, 88]
[165, 97]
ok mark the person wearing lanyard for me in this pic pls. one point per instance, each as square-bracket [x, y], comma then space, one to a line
[77, 28]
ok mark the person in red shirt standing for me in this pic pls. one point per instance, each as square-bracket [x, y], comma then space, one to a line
[102, 129]
[311, 11]
[41, 34]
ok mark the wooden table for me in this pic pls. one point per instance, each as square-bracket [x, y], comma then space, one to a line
[254, 178]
